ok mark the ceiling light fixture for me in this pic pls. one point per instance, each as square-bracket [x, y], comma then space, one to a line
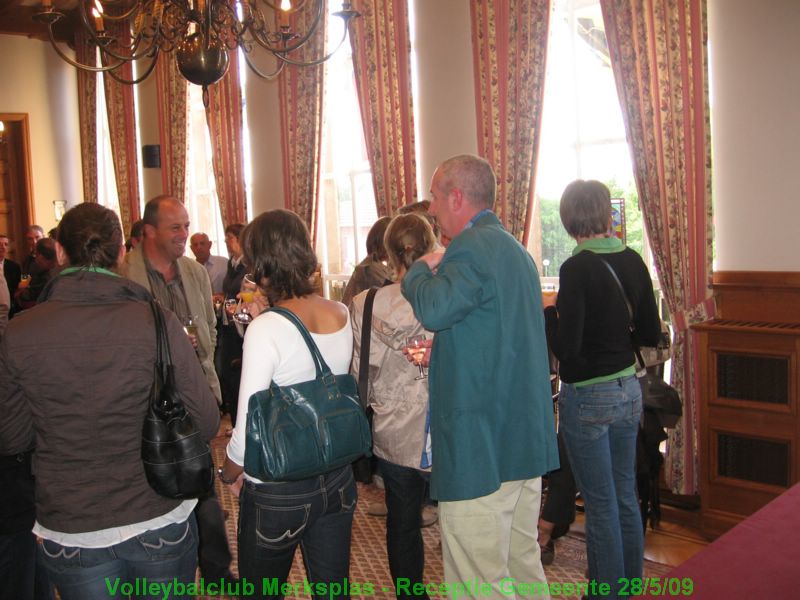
[201, 32]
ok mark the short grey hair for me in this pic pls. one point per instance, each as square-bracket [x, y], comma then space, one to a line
[473, 175]
[585, 208]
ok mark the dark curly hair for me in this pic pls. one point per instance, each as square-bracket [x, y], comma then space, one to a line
[277, 249]
[91, 236]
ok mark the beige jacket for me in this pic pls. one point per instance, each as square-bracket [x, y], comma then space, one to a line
[197, 286]
[400, 402]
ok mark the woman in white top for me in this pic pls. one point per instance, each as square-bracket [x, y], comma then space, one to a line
[315, 513]
[400, 400]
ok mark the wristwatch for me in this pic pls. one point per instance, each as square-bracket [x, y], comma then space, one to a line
[223, 480]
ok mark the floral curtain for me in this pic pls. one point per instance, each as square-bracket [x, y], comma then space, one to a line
[224, 118]
[172, 92]
[122, 130]
[86, 53]
[509, 45]
[301, 95]
[659, 56]
[381, 61]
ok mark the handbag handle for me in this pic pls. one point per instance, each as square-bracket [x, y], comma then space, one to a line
[322, 369]
[627, 304]
[163, 359]
[366, 328]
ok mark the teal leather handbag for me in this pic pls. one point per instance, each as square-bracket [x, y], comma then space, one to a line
[306, 429]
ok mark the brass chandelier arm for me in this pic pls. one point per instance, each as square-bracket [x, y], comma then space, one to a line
[139, 79]
[78, 65]
[313, 63]
[260, 73]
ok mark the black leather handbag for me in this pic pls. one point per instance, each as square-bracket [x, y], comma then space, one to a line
[305, 429]
[177, 460]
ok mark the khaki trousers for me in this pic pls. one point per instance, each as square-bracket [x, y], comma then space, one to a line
[490, 544]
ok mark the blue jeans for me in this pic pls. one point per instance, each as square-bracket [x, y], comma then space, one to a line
[316, 514]
[405, 492]
[160, 556]
[600, 423]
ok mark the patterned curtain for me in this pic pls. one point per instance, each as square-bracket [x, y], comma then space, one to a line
[658, 53]
[122, 129]
[224, 118]
[172, 92]
[381, 60]
[509, 45]
[86, 54]
[301, 94]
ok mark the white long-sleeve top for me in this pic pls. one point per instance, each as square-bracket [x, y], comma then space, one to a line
[274, 349]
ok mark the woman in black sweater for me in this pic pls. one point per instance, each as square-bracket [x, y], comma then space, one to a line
[600, 400]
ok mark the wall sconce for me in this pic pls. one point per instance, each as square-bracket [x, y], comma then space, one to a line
[59, 208]
[2, 133]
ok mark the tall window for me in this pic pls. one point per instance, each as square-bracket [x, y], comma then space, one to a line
[106, 178]
[201, 199]
[347, 200]
[583, 134]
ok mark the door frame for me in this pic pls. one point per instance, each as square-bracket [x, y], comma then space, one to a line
[24, 207]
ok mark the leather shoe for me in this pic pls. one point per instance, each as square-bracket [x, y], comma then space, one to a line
[548, 553]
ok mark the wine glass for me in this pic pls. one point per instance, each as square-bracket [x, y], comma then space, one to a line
[416, 350]
[246, 295]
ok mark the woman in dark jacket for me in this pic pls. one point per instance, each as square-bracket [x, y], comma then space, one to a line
[75, 378]
[600, 401]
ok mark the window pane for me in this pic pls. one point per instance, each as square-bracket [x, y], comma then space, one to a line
[583, 134]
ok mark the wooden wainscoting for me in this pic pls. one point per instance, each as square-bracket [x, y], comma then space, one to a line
[749, 422]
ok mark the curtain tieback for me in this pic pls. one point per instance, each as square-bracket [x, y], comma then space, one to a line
[704, 311]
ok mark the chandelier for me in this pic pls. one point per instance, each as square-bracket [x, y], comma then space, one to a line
[200, 32]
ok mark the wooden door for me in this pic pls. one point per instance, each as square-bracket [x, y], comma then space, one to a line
[16, 195]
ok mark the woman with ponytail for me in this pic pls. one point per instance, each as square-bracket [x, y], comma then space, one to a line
[76, 372]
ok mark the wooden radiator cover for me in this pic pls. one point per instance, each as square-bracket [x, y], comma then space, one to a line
[749, 423]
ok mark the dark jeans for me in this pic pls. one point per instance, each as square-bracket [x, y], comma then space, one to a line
[229, 351]
[405, 493]
[21, 578]
[316, 514]
[214, 555]
[163, 555]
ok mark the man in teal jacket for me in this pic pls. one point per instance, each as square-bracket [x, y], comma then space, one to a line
[492, 428]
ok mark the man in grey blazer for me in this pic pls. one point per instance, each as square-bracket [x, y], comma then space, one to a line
[182, 285]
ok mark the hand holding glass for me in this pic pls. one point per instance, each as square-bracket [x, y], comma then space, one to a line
[246, 296]
[416, 349]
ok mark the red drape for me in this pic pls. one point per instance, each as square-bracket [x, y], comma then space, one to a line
[224, 117]
[301, 95]
[509, 44]
[171, 92]
[86, 54]
[381, 60]
[122, 129]
[659, 56]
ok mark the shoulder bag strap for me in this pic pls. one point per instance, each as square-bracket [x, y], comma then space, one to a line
[162, 356]
[323, 371]
[627, 303]
[366, 330]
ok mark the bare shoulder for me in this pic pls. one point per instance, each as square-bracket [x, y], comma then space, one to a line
[335, 311]
[319, 314]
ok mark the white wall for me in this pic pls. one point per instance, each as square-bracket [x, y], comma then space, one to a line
[755, 127]
[446, 108]
[263, 118]
[34, 80]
